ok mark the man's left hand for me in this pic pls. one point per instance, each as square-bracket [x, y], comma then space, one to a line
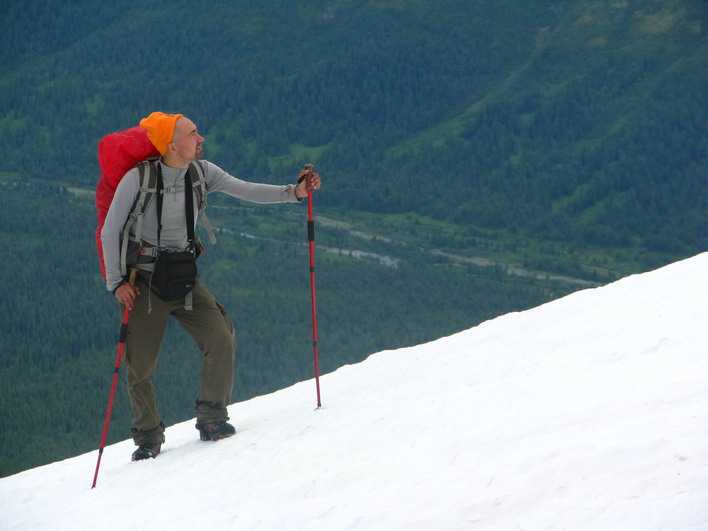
[309, 181]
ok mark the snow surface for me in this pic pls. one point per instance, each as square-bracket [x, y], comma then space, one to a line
[586, 413]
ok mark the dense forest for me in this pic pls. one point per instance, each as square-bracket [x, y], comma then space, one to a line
[564, 143]
[580, 121]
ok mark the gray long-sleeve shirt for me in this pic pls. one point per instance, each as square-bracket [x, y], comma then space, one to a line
[174, 230]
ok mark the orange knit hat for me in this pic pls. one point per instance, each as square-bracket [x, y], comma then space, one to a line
[160, 129]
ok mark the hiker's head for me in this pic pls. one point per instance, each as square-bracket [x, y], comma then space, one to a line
[175, 136]
[186, 144]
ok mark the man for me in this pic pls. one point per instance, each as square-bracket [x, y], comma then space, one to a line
[164, 235]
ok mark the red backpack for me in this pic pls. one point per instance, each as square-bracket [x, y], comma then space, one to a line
[117, 154]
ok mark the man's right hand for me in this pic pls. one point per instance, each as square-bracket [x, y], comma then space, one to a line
[126, 294]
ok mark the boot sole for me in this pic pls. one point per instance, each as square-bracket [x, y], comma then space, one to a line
[144, 458]
[205, 436]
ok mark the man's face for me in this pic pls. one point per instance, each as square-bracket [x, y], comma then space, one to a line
[187, 140]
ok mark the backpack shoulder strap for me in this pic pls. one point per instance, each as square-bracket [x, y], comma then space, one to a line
[197, 172]
[147, 171]
[148, 189]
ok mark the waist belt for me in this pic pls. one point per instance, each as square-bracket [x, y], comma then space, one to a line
[148, 251]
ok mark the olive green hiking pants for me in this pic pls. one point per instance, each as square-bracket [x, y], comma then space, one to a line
[214, 334]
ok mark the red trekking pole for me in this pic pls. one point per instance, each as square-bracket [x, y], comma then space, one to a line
[309, 169]
[120, 352]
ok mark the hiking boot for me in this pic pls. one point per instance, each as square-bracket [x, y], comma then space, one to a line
[213, 431]
[148, 442]
[146, 451]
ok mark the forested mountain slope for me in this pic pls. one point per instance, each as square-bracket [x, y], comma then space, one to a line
[577, 121]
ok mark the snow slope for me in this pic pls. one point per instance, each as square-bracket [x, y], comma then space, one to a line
[587, 413]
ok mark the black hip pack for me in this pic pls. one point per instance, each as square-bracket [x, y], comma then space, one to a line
[174, 275]
[175, 272]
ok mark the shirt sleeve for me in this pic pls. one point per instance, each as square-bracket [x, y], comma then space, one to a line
[220, 181]
[117, 215]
